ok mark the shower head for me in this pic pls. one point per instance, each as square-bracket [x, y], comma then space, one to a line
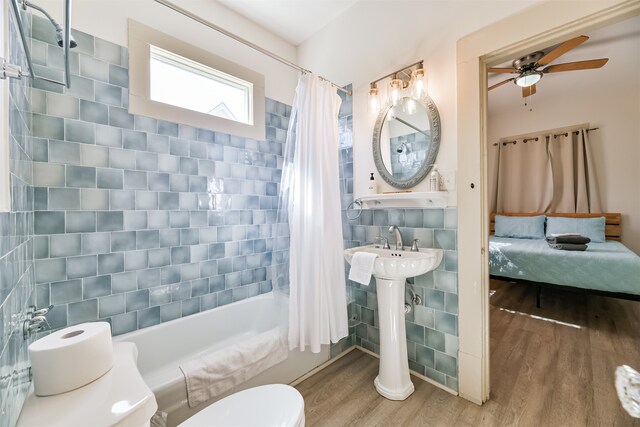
[401, 148]
[60, 36]
[56, 26]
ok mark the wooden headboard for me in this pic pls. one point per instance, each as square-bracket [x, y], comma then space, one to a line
[612, 230]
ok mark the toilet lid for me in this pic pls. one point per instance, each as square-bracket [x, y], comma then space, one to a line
[269, 405]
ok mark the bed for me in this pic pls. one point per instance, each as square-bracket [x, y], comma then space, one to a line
[607, 268]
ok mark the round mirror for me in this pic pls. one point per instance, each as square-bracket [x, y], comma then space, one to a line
[406, 139]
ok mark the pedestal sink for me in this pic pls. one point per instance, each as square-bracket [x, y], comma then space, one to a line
[391, 269]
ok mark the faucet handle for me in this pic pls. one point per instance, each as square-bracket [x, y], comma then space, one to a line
[385, 240]
[414, 247]
[41, 311]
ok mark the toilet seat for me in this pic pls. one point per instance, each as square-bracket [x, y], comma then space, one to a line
[273, 405]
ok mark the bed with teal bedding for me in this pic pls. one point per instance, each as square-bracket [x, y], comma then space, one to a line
[604, 267]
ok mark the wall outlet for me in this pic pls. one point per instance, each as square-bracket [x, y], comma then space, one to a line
[448, 180]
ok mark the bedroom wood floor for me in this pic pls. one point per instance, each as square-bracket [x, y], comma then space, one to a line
[555, 369]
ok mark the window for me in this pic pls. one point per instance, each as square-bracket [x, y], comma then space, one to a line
[179, 81]
[175, 81]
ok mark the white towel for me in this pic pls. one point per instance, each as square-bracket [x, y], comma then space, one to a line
[214, 373]
[362, 267]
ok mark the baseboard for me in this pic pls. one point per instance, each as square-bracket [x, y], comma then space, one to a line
[364, 350]
[422, 377]
[321, 367]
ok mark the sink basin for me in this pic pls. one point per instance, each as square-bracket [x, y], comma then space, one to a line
[394, 264]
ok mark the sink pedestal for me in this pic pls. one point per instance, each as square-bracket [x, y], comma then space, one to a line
[393, 381]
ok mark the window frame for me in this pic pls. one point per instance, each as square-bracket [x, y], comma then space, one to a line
[142, 38]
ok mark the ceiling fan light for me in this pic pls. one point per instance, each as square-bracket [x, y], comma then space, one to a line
[528, 79]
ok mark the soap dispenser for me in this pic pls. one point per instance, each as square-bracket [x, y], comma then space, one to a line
[372, 188]
[434, 179]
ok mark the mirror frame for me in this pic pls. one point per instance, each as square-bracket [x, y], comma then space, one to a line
[434, 120]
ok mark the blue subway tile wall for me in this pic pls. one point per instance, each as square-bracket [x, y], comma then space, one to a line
[17, 284]
[140, 221]
[345, 118]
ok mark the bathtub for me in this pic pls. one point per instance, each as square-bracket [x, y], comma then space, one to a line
[163, 347]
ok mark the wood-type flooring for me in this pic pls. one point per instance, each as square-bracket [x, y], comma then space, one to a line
[550, 366]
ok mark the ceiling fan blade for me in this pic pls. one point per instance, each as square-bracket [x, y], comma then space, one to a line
[500, 84]
[528, 91]
[563, 48]
[502, 70]
[579, 65]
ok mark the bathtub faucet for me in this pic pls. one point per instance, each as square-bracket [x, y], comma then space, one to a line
[399, 244]
[35, 321]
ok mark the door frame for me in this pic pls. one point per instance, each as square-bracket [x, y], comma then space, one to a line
[555, 21]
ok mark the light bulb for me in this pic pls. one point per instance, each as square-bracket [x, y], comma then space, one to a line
[418, 84]
[396, 87]
[528, 79]
[410, 106]
[374, 105]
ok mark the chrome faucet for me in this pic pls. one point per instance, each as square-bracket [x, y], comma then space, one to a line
[35, 321]
[399, 244]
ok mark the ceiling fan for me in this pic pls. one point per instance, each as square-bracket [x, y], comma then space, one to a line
[528, 68]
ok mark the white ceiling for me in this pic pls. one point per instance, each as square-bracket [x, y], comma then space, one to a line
[293, 20]
[619, 42]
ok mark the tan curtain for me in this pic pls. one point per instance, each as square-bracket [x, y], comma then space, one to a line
[524, 181]
[574, 181]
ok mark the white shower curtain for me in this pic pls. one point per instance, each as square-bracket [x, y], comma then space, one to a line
[310, 193]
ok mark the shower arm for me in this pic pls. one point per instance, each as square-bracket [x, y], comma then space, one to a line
[16, 72]
[26, 4]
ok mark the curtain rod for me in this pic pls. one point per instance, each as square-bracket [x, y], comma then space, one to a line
[535, 139]
[244, 41]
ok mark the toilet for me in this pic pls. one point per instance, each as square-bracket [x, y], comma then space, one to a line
[267, 405]
[122, 398]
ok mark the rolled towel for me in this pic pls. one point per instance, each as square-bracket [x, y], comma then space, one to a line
[568, 246]
[577, 239]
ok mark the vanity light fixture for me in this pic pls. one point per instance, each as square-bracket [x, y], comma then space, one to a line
[411, 76]
[374, 103]
[528, 78]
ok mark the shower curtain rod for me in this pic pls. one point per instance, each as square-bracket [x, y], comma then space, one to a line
[244, 41]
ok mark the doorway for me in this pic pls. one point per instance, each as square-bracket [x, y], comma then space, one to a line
[497, 43]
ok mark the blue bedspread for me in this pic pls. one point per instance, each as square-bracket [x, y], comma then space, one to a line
[608, 266]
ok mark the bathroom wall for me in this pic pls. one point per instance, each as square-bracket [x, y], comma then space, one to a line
[432, 327]
[140, 221]
[16, 242]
